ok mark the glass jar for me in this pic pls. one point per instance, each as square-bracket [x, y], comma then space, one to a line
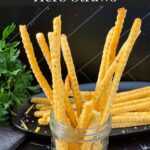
[68, 138]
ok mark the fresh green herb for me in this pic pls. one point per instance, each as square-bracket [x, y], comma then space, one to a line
[15, 81]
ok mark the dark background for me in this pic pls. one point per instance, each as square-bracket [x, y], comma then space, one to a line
[86, 27]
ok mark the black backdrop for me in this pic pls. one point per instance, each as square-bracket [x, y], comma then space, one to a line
[86, 26]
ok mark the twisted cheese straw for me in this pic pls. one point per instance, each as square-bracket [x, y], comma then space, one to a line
[71, 71]
[59, 106]
[94, 123]
[105, 58]
[40, 113]
[44, 121]
[134, 113]
[131, 119]
[135, 91]
[116, 34]
[129, 103]
[136, 107]
[131, 124]
[46, 52]
[109, 53]
[104, 84]
[68, 106]
[58, 96]
[40, 100]
[33, 63]
[126, 50]
[44, 47]
[132, 96]
[39, 106]
[84, 120]
[86, 115]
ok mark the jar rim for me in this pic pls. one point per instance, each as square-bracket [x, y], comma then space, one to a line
[103, 126]
[76, 134]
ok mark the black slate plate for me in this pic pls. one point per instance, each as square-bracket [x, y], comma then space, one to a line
[31, 121]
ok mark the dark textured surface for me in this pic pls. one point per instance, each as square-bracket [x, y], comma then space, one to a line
[10, 138]
[86, 27]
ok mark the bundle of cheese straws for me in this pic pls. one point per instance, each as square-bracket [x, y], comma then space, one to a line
[71, 106]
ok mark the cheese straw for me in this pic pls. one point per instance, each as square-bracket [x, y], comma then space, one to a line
[105, 57]
[104, 84]
[33, 63]
[94, 123]
[134, 113]
[126, 50]
[116, 34]
[40, 100]
[135, 91]
[129, 119]
[44, 47]
[39, 106]
[85, 116]
[131, 124]
[58, 97]
[136, 107]
[44, 120]
[133, 102]
[132, 96]
[68, 107]
[71, 71]
[40, 113]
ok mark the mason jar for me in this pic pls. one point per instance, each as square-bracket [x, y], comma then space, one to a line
[68, 138]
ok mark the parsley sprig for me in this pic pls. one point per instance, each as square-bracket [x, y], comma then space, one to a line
[15, 81]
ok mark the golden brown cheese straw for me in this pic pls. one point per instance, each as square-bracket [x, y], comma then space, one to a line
[45, 108]
[40, 100]
[93, 124]
[71, 71]
[129, 103]
[59, 107]
[40, 113]
[58, 95]
[133, 96]
[135, 91]
[136, 107]
[104, 84]
[68, 107]
[130, 119]
[47, 114]
[135, 31]
[33, 63]
[134, 113]
[131, 124]
[44, 121]
[86, 115]
[44, 47]
[116, 33]
[105, 57]
[39, 106]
